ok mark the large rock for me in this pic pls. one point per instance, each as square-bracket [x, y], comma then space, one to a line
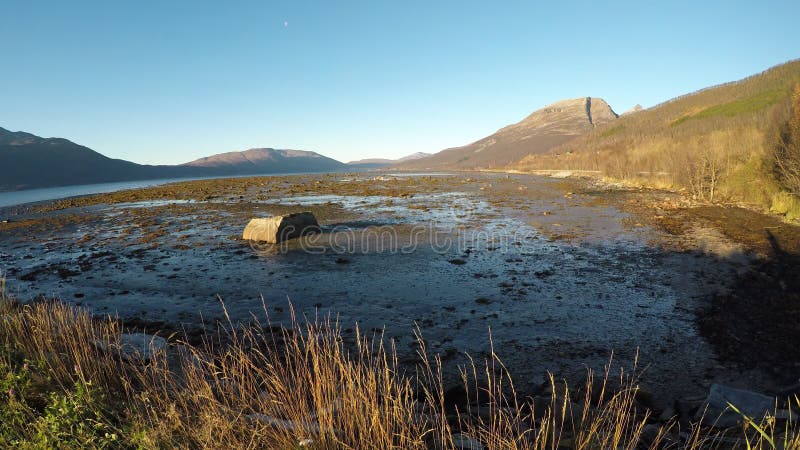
[717, 410]
[280, 228]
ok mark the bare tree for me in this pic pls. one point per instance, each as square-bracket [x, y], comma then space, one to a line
[786, 147]
[705, 170]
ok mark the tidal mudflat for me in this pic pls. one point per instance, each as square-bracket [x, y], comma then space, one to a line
[552, 274]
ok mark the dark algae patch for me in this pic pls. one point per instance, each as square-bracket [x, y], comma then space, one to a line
[562, 271]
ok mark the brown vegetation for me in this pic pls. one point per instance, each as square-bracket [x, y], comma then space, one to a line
[786, 147]
[258, 386]
[715, 143]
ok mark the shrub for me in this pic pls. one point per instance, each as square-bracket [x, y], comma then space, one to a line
[786, 147]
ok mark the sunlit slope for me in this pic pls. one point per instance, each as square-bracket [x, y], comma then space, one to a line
[716, 137]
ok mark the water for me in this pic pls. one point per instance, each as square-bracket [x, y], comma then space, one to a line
[14, 198]
[54, 193]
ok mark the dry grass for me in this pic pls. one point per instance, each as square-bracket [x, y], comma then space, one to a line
[714, 143]
[257, 386]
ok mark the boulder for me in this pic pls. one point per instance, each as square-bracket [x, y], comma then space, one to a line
[135, 346]
[717, 411]
[280, 228]
[141, 345]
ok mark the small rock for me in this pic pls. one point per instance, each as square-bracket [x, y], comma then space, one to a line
[187, 356]
[141, 345]
[716, 409]
[457, 261]
[790, 391]
[463, 441]
[136, 346]
[650, 433]
[667, 414]
[289, 425]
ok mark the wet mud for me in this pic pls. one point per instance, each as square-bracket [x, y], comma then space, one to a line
[550, 274]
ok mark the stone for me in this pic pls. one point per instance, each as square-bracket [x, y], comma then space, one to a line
[277, 229]
[189, 357]
[136, 346]
[667, 414]
[141, 345]
[288, 425]
[717, 411]
[463, 441]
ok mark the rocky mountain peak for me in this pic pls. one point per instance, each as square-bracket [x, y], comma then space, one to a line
[635, 109]
[566, 117]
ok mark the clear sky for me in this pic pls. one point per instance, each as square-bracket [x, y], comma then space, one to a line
[171, 81]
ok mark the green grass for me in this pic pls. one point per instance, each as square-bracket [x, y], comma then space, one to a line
[786, 204]
[36, 413]
[736, 107]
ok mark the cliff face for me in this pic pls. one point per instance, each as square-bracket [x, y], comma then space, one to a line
[542, 130]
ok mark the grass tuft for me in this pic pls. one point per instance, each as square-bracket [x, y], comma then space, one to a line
[258, 386]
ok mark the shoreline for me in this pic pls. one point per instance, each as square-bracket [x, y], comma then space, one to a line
[564, 211]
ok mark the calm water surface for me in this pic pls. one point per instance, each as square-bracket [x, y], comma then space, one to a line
[54, 193]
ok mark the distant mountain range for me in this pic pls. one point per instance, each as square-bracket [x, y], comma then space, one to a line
[31, 161]
[383, 162]
[265, 160]
[583, 133]
[541, 131]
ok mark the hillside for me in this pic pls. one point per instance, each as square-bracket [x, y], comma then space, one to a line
[542, 130]
[34, 162]
[265, 160]
[31, 161]
[374, 163]
[713, 143]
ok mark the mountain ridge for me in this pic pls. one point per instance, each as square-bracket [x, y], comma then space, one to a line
[715, 143]
[541, 130]
[39, 162]
[256, 160]
[382, 162]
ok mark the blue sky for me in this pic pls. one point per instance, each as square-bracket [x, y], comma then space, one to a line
[165, 82]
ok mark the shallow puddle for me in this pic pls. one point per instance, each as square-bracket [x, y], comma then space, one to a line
[559, 281]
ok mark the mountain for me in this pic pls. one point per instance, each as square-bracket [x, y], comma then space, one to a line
[714, 143]
[373, 163]
[413, 156]
[636, 108]
[539, 132]
[30, 161]
[266, 160]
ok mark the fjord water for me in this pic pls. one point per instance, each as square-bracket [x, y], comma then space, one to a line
[54, 193]
[13, 198]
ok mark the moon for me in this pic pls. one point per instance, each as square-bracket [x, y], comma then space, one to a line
[285, 23]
